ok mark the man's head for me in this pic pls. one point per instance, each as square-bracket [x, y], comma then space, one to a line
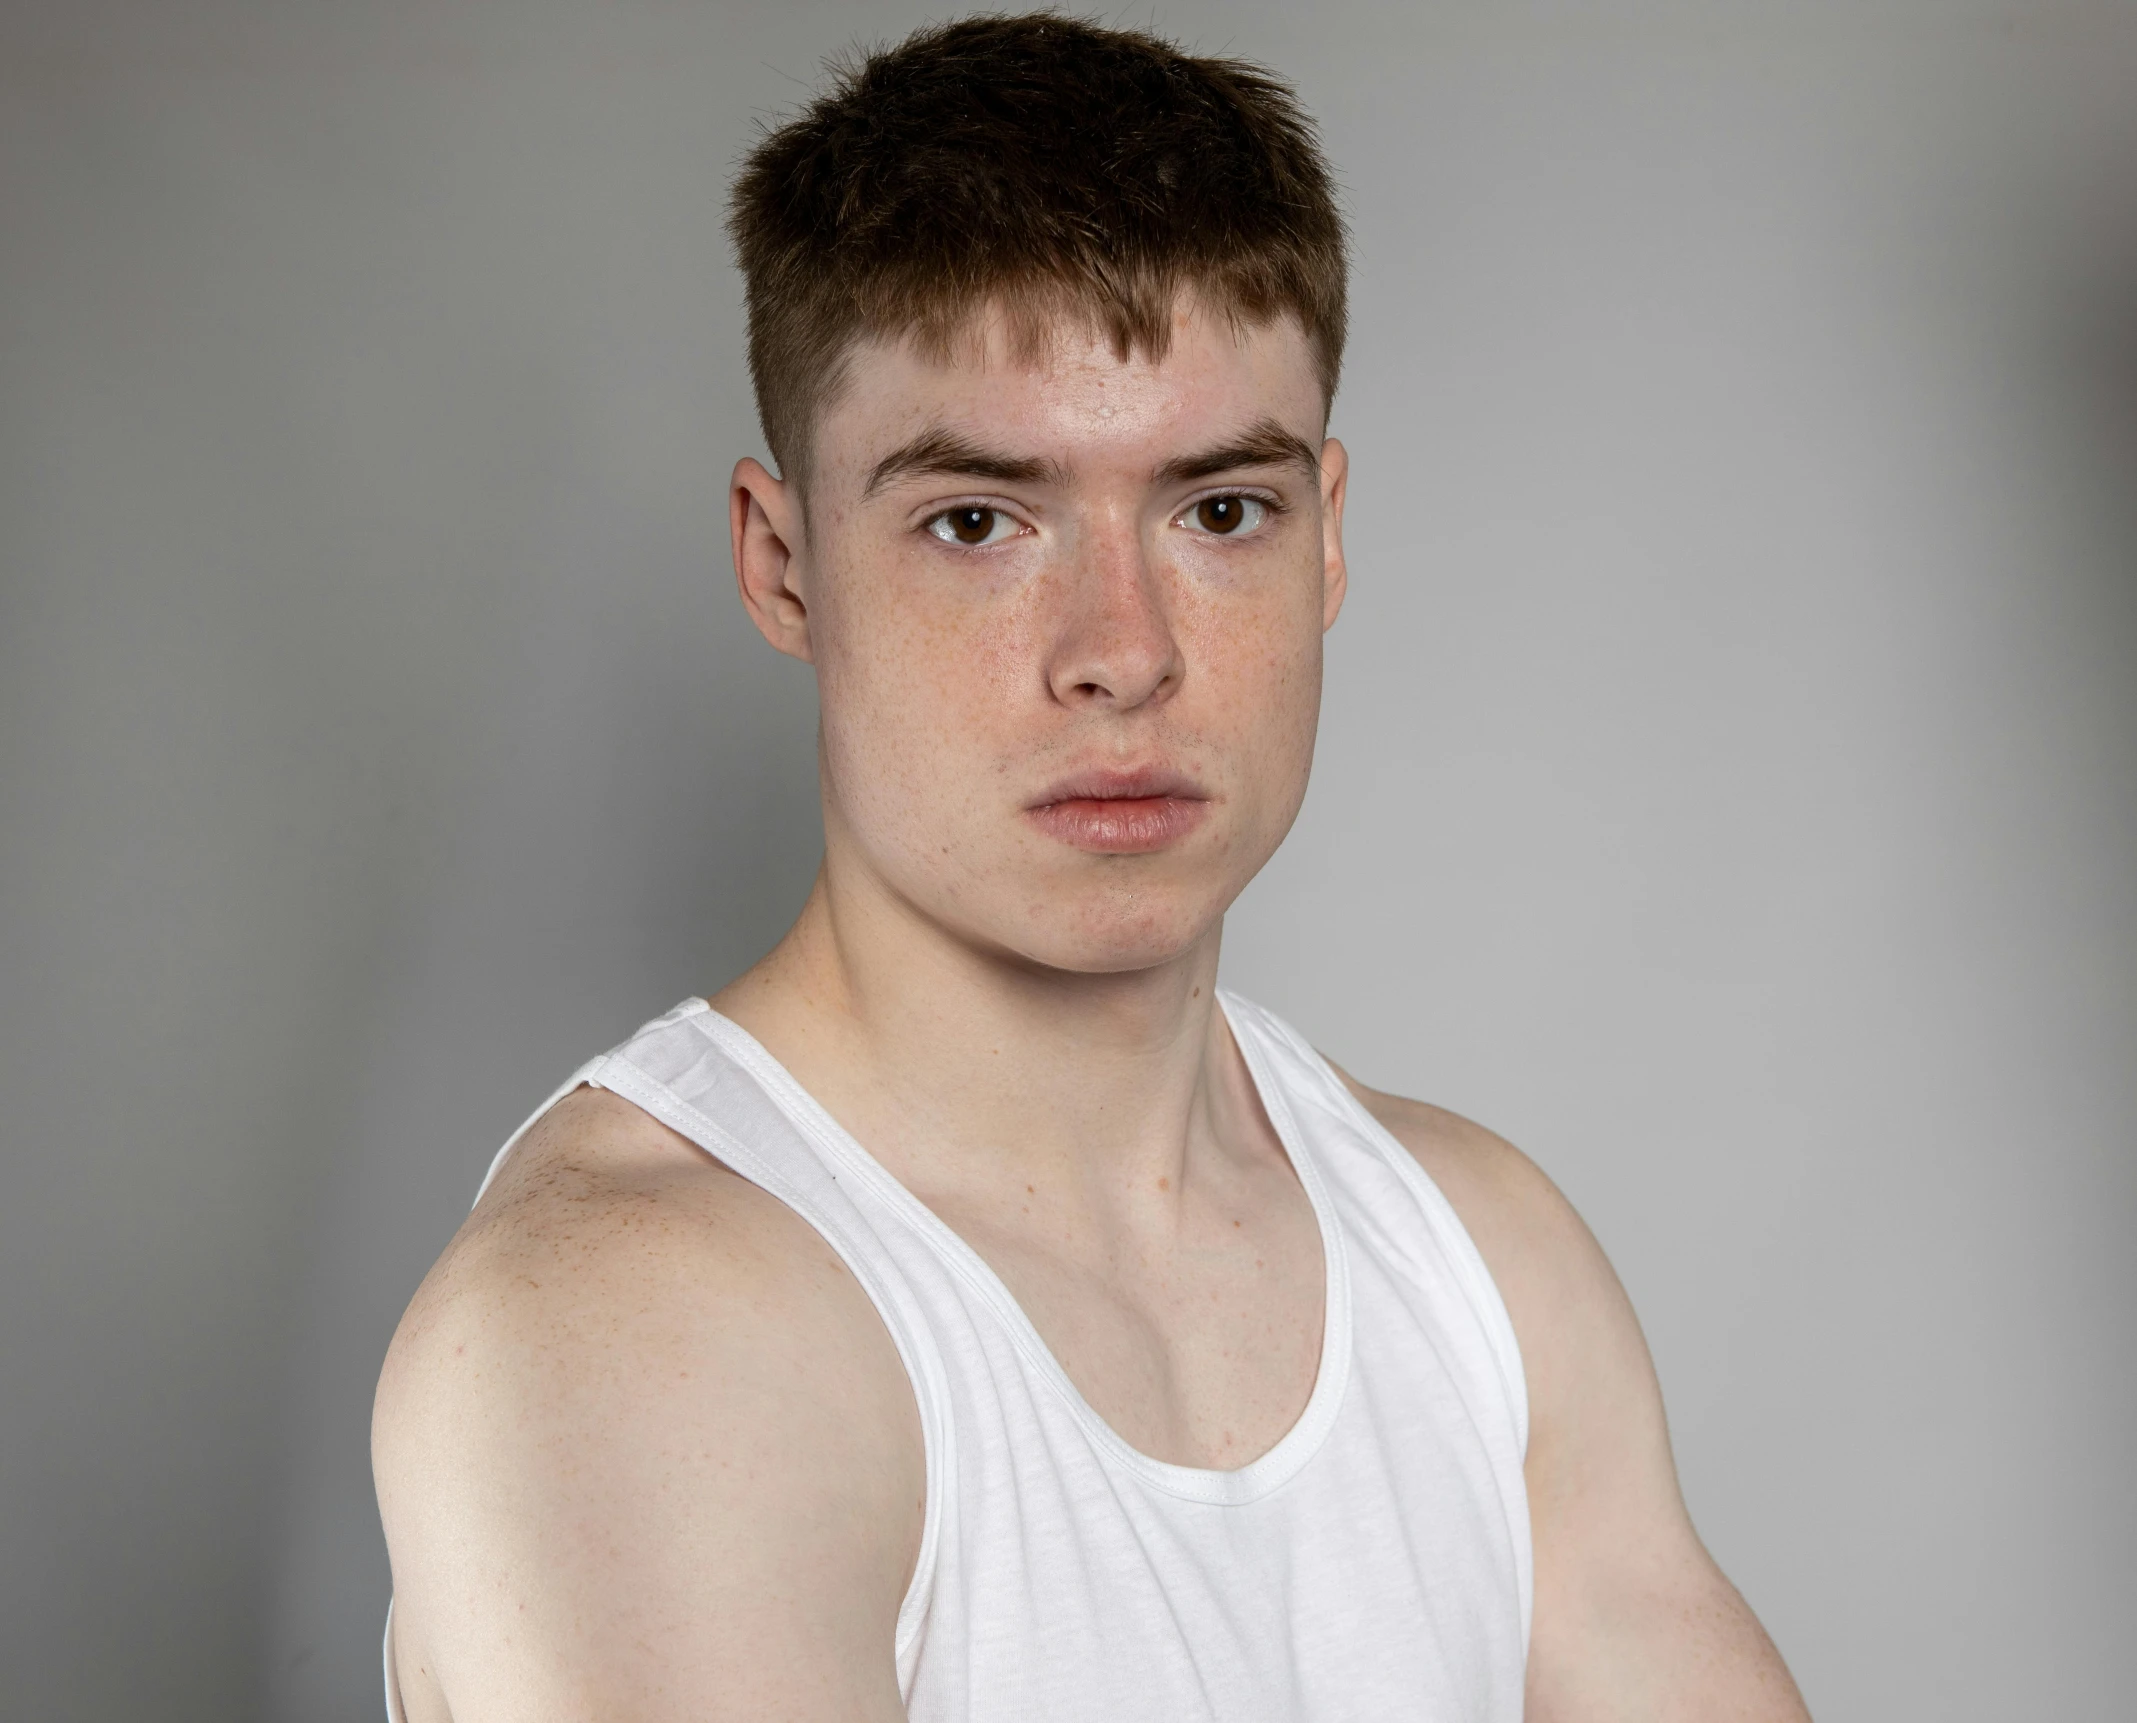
[1046, 167]
[1045, 319]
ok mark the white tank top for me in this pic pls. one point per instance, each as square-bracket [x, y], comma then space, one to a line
[1373, 1565]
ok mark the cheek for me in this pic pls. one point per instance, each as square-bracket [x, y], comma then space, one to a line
[916, 697]
[1260, 675]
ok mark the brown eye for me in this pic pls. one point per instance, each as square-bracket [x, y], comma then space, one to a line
[969, 525]
[1225, 515]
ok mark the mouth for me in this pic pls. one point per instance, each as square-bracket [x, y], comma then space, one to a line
[1120, 812]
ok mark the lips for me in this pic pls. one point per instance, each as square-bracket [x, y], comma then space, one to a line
[1116, 812]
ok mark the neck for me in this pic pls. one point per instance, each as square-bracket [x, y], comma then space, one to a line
[941, 1054]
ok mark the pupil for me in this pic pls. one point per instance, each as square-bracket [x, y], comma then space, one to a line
[1219, 514]
[972, 525]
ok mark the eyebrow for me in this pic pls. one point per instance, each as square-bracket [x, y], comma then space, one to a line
[1265, 443]
[943, 452]
[946, 452]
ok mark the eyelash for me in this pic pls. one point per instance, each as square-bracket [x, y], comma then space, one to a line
[1273, 506]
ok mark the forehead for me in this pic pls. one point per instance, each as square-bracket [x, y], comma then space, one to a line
[1065, 391]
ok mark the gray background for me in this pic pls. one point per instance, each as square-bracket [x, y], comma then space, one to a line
[1729, 779]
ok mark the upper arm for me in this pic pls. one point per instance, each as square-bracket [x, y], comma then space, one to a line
[644, 1449]
[1632, 1617]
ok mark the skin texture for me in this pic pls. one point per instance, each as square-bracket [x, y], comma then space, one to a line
[644, 1449]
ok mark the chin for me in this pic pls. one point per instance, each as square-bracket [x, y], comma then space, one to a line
[1116, 933]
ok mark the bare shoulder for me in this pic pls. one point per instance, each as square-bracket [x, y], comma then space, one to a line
[603, 1214]
[636, 1399]
[612, 1256]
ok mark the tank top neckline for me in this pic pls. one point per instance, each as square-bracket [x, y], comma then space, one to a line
[1260, 1476]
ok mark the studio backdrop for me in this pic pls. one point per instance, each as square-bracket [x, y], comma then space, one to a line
[1727, 785]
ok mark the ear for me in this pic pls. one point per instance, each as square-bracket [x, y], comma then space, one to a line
[766, 523]
[1335, 573]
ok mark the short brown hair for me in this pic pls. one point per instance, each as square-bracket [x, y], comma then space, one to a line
[1037, 163]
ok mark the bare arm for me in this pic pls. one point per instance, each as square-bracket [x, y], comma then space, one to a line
[644, 1450]
[1633, 1619]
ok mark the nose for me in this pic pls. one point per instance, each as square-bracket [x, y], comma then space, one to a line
[1115, 647]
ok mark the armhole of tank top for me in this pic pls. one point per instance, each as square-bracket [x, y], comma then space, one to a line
[1486, 1303]
[394, 1713]
[923, 1371]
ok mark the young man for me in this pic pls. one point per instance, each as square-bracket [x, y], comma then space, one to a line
[972, 1312]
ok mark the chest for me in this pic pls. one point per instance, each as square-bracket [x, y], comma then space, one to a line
[1196, 1338]
[1372, 1564]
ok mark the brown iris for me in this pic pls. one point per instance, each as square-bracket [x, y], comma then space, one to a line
[1221, 514]
[971, 526]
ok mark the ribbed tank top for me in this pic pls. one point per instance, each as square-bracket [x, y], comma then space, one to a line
[1373, 1565]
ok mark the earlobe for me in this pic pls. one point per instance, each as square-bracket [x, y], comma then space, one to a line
[1335, 572]
[764, 519]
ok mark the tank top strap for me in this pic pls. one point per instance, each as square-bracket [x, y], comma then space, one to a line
[1354, 1152]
